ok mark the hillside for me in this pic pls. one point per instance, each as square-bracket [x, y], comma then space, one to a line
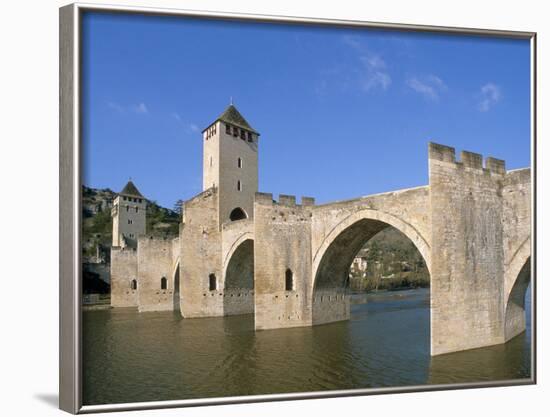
[97, 223]
[392, 262]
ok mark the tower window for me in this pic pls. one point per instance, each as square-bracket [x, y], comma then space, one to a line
[243, 133]
[289, 280]
[127, 208]
[237, 214]
[249, 137]
[239, 162]
[239, 186]
[137, 209]
[210, 161]
[163, 283]
[235, 131]
[212, 282]
[130, 221]
[227, 129]
[133, 285]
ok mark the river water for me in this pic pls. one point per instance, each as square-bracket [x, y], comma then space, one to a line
[131, 357]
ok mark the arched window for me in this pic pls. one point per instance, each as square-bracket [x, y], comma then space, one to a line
[163, 283]
[289, 280]
[133, 285]
[212, 282]
[137, 209]
[237, 214]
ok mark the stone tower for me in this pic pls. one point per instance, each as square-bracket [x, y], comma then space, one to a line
[129, 216]
[230, 164]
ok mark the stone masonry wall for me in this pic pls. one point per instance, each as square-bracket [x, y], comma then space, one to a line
[517, 248]
[467, 250]
[201, 255]
[155, 261]
[407, 210]
[282, 233]
[123, 271]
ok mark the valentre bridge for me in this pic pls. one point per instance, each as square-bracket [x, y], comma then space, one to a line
[240, 251]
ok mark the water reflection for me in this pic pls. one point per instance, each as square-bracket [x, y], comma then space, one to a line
[160, 356]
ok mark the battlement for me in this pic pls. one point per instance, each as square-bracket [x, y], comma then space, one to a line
[284, 200]
[468, 159]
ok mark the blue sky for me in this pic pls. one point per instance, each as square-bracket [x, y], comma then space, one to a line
[342, 112]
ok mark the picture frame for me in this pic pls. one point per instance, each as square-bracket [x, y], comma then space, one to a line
[71, 205]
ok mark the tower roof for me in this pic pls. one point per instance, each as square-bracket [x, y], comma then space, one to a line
[232, 116]
[131, 190]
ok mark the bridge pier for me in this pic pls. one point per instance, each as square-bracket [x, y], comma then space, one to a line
[468, 223]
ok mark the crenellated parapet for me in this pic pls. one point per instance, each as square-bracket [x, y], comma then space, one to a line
[469, 160]
[467, 251]
[284, 200]
[286, 259]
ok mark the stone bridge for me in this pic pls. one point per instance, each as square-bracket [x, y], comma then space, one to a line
[288, 264]
[471, 224]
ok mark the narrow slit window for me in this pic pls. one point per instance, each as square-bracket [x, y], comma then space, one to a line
[163, 283]
[239, 163]
[289, 280]
[239, 185]
[133, 285]
[212, 282]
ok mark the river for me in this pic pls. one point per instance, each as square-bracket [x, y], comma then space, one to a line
[130, 357]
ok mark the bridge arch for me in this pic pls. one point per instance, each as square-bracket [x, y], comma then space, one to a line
[238, 287]
[176, 299]
[234, 246]
[518, 279]
[332, 261]
[342, 243]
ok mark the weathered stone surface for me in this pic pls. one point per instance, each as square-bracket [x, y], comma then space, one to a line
[282, 243]
[123, 272]
[467, 266]
[288, 261]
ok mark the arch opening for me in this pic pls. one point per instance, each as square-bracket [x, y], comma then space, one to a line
[368, 255]
[163, 283]
[237, 214]
[239, 280]
[176, 293]
[515, 314]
